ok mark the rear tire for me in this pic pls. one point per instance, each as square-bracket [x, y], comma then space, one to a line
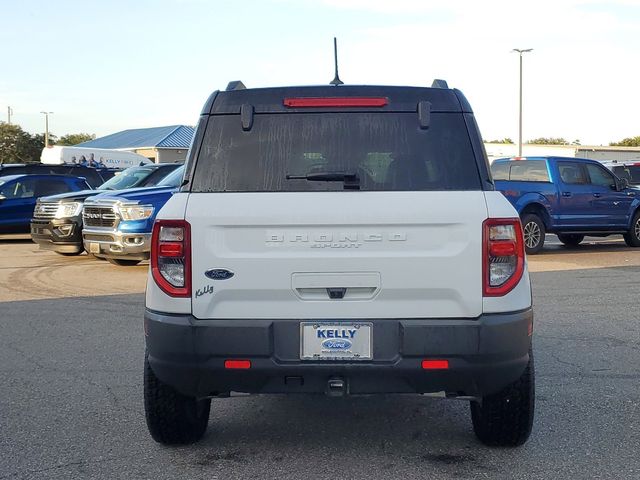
[172, 418]
[123, 263]
[505, 419]
[570, 239]
[632, 237]
[534, 232]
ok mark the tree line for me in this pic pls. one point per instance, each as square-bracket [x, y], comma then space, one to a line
[625, 142]
[19, 146]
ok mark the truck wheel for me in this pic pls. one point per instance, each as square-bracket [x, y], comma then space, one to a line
[570, 239]
[172, 418]
[123, 263]
[504, 419]
[632, 237]
[533, 233]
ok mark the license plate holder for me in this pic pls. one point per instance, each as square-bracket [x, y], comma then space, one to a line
[94, 247]
[336, 341]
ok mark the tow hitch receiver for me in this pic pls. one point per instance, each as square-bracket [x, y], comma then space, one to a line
[336, 387]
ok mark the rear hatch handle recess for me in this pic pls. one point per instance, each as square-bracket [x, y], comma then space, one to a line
[350, 180]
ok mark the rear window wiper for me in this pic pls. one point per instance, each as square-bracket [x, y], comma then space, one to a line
[351, 180]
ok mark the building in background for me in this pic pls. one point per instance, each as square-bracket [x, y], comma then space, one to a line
[619, 154]
[158, 144]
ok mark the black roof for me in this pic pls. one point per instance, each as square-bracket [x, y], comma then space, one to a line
[400, 99]
[9, 178]
[44, 166]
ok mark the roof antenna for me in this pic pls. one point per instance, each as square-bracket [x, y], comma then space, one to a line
[336, 80]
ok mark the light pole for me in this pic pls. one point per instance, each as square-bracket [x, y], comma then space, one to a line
[520, 52]
[9, 113]
[46, 128]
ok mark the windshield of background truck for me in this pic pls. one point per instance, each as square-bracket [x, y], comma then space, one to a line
[630, 172]
[174, 179]
[127, 179]
[386, 151]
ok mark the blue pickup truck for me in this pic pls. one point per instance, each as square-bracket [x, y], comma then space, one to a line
[570, 197]
[117, 225]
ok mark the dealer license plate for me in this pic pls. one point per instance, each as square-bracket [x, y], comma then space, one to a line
[94, 248]
[335, 341]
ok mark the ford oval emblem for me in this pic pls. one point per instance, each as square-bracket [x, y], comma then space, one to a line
[337, 344]
[218, 274]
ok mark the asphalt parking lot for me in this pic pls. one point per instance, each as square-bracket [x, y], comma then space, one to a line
[71, 351]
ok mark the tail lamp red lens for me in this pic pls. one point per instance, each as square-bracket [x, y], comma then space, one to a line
[170, 249]
[237, 364]
[502, 249]
[502, 255]
[171, 257]
[435, 364]
[306, 102]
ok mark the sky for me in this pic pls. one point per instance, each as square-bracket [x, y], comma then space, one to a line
[107, 66]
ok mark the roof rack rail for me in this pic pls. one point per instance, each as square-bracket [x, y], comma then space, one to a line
[438, 83]
[235, 85]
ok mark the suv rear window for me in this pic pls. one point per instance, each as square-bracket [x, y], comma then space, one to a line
[387, 151]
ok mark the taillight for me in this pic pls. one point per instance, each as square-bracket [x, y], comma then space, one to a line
[171, 257]
[503, 255]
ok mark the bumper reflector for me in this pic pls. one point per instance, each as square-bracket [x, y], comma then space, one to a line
[237, 364]
[435, 364]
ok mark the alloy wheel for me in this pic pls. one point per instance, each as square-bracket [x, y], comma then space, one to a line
[532, 234]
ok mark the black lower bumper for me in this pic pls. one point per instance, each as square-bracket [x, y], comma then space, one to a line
[60, 235]
[484, 355]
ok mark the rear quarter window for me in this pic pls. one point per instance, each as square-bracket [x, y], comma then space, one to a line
[387, 151]
[529, 171]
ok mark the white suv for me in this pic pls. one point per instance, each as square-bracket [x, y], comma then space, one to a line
[339, 240]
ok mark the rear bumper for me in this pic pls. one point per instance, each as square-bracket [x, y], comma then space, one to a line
[60, 235]
[107, 243]
[484, 354]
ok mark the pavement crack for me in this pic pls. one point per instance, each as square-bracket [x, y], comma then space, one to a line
[55, 467]
[564, 362]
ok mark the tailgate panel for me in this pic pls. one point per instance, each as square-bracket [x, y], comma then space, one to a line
[388, 254]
